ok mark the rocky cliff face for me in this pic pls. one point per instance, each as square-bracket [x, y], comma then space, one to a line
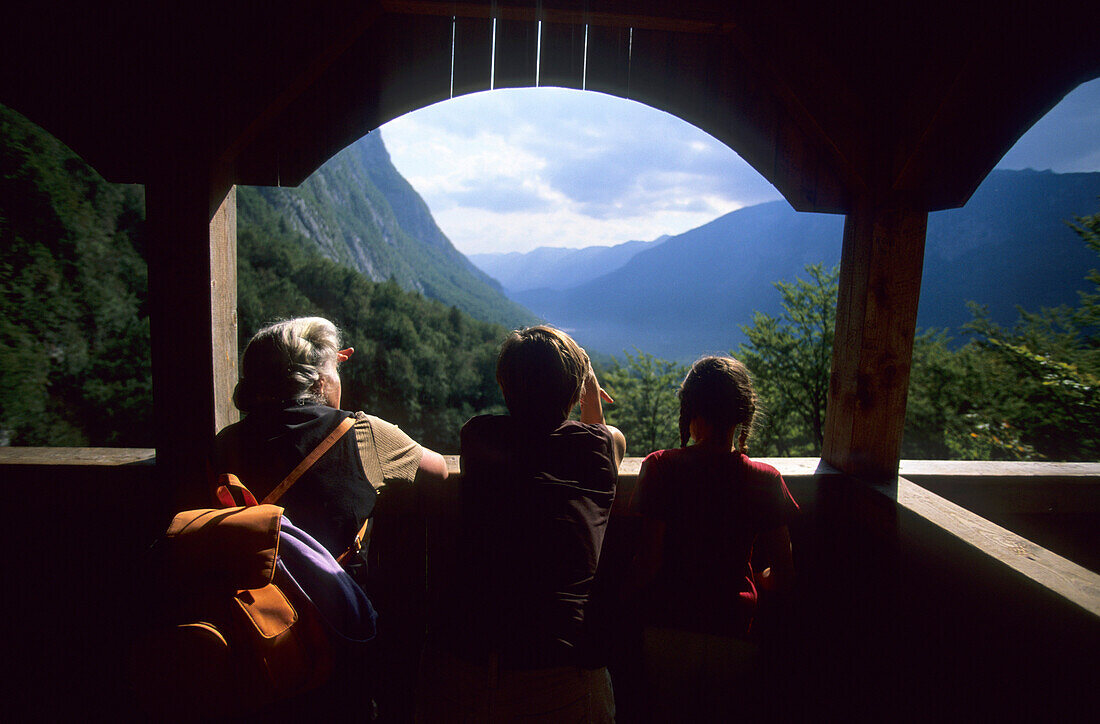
[359, 211]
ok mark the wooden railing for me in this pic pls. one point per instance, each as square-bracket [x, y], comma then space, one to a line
[917, 585]
[965, 499]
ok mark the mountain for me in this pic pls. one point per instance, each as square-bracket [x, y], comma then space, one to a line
[359, 211]
[690, 295]
[549, 267]
[1009, 246]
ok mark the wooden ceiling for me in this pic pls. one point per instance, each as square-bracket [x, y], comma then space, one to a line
[910, 103]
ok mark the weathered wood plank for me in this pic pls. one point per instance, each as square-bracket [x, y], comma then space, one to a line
[62, 456]
[223, 308]
[1069, 580]
[880, 274]
[186, 365]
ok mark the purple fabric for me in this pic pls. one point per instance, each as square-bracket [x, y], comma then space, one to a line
[320, 579]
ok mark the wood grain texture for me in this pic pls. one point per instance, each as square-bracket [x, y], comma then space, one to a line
[1069, 580]
[223, 308]
[880, 274]
[186, 364]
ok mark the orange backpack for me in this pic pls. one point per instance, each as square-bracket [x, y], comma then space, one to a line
[253, 621]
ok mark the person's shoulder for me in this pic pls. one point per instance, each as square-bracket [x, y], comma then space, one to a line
[760, 470]
[660, 457]
[484, 423]
[230, 431]
[758, 465]
[576, 427]
[227, 442]
[378, 428]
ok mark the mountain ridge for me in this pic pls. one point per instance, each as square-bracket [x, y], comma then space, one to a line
[691, 294]
[359, 211]
[557, 267]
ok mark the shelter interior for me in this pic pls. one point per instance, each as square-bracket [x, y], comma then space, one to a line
[907, 605]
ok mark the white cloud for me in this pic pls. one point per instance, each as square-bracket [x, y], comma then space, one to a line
[516, 169]
[486, 231]
[511, 170]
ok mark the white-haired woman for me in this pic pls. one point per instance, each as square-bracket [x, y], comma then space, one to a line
[290, 394]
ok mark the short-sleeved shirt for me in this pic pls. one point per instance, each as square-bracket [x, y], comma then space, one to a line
[713, 504]
[333, 499]
[534, 507]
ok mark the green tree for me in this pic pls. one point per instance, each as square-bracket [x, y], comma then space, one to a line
[790, 357]
[646, 406]
[1026, 392]
[74, 336]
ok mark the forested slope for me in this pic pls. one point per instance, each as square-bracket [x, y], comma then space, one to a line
[419, 363]
[74, 329]
[358, 210]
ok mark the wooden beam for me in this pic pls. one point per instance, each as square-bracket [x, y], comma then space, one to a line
[192, 310]
[880, 274]
[223, 308]
[709, 17]
[1050, 570]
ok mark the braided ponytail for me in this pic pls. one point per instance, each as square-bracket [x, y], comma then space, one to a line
[719, 390]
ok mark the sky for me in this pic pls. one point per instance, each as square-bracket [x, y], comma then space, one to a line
[515, 169]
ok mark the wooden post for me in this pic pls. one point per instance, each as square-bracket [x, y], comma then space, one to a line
[223, 308]
[192, 310]
[880, 275]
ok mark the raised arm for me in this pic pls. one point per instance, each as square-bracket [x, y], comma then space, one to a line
[592, 398]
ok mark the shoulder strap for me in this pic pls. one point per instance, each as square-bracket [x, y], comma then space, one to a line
[363, 536]
[313, 457]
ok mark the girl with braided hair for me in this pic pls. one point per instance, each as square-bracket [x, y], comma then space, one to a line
[707, 511]
[706, 506]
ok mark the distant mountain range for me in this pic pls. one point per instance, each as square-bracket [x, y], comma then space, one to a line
[359, 211]
[1010, 245]
[552, 267]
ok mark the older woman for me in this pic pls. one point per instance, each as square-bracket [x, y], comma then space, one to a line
[290, 393]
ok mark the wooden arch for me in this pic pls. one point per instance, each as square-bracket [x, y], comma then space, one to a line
[881, 111]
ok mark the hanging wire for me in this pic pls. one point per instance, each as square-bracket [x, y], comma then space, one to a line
[538, 52]
[493, 57]
[584, 67]
[454, 31]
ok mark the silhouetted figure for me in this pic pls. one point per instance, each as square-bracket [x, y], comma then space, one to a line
[535, 497]
[706, 511]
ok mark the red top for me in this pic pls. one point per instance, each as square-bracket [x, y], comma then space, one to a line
[714, 504]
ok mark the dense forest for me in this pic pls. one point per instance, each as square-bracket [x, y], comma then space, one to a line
[1028, 391]
[74, 330]
[74, 338]
[419, 363]
[359, 211]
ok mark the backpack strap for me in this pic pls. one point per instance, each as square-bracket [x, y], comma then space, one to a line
[313, 457]
[228, 482]
[357, 545]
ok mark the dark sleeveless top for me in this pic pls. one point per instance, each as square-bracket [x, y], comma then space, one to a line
[332, 500]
